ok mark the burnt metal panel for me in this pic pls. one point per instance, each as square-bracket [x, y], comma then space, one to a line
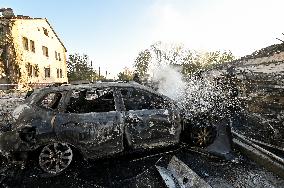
[151, 128]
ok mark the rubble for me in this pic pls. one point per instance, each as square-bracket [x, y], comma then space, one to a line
[259, 79]
[8, 102]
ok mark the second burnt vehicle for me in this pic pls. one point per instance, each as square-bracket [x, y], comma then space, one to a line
[100, 120]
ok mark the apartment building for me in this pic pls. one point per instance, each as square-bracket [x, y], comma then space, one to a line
[31, 53]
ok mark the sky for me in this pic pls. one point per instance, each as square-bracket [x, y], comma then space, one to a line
[113, 32]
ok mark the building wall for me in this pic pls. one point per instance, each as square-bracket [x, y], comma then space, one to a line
[33, 29]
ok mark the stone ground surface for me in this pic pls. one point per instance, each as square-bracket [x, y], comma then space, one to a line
[133, 172]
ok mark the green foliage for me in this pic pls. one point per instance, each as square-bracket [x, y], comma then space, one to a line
[9, 65]
[79, 68]
[175, 54]
[142, 62]
[211, 59]
[125, 75]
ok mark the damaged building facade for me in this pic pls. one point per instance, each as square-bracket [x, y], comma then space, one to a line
[31, 53]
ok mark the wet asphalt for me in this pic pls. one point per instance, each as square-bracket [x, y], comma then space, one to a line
[140, 171]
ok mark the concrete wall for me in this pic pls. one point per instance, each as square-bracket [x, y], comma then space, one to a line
[33, 29]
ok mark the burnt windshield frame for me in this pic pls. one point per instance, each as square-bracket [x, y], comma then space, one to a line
[60, 102]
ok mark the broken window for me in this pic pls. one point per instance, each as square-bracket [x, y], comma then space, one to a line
[56, 55]
[45, 51]
[29, 69]
[86, 101]
[32, 45]
[45, 31]
[135, 99]
[50, 101]
[36, 70]
[60, 73]
[25, 43]
[47, 72]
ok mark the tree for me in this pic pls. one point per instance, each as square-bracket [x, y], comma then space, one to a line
[9, 63]
[125, 75]
[141, 63]
[178, 56]
[79, 68]
[162, 53]
[210, 59]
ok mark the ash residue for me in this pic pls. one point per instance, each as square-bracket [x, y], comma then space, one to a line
[227, 174]
[8, 102]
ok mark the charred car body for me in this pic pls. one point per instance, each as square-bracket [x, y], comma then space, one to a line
[100, 120]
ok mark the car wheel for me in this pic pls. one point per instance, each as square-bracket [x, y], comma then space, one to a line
[55, 158]
[203, 136]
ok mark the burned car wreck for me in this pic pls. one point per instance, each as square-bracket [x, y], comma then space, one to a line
[101, 120]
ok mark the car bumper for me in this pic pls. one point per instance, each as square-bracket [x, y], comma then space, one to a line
[11, 144]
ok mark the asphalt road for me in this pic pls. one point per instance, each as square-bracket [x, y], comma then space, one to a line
[129, 171]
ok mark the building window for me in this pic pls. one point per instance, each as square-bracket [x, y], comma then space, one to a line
[45, 51]
[36, 70]
[59, 73]
[57, 56]
[32, 45]
[29, 68]
[25, 43]
[47, 72]
[45, 31]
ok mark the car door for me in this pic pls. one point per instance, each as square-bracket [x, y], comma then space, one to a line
[91, 122]
[149, 120]
[44, 111]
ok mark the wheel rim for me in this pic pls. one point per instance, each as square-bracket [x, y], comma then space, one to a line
[203, 136]
[55, 158]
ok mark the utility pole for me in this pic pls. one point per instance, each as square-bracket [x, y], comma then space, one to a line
[99, 73]
[92, 71]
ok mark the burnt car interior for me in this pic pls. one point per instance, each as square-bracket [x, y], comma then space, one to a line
[86, 101]
[135, 99]
[51, 100]
[102, 100]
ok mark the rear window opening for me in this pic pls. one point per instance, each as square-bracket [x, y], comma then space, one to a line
[87, 101]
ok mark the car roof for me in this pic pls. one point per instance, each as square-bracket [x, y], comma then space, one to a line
[131, 84]
[95, 85]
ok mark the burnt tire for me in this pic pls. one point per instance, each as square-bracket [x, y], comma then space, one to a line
[55, 158]
[202, 136]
